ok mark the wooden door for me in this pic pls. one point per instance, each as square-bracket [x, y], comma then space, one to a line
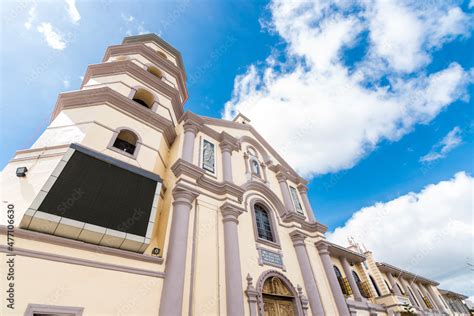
[274, 306]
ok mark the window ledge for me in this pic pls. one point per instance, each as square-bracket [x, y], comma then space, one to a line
[268, 243]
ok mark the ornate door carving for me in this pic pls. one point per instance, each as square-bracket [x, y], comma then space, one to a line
[275, 306]
[277, 298]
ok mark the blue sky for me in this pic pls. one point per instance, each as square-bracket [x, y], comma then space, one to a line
[360, 93]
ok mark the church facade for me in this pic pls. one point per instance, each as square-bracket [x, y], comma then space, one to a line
[128, 205]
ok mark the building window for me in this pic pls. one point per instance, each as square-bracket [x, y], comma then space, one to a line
[144, 98]
[264, 227]
[208, 156]
[413, 295]
[296, 200]
[343, 283]
[162, 55]
[255, 166]
[362, 289]
[155, 71]
[126, 141]
[400, 289]
[375, 285]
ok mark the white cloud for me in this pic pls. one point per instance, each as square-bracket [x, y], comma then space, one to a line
[404, 33]
[318, 101]
[52, 38]
[133, 26]
[31, 16]
[66, 83]
[72, 11]
[441, 149]
[429, 233]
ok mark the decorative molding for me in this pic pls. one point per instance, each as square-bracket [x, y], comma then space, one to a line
[273, 273]
[182, 167]
[385, 267]
[151, 37]
[75, 244]
[106, 95]
[40, 309]
[184, 194]
[144, 76]
[79, 261]
[153, 57]
[231, 212]
[297, 238]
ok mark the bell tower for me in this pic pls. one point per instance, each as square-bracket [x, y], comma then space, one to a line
[120, 125]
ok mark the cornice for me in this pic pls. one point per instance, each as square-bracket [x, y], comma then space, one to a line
[182, 167]
[105, 95]
[339, 251]
[70, 243]
[158, 40]
[229, 142]
[292, 217]
[385, 267]
[153, 57]
[147, 78]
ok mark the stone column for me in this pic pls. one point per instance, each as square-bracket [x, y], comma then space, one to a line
[307, 273]
[252, 296]
[418, 296]
[226, 150]
[190, 131]
[435, 297]
[172, 294]
[393, 284]
[331, 275]
[233, 272]
[404, 284]
[350, 278]
[307, 205]
[425, 293]
[285, 191]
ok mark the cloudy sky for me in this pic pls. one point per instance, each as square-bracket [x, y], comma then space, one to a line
[370, 100]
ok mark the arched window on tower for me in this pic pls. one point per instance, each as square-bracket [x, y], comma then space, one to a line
[264, 226]
[343, 283]
[126, 141]
[144, 97]
[155, 71]
[375, 285]
[163, 55]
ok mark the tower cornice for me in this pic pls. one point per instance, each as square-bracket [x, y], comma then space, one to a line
[144, 76]
[108, 96]
[153, 57]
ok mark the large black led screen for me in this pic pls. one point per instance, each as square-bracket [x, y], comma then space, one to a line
[100, 193]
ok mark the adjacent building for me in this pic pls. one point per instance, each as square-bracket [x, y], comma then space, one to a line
[128, 205]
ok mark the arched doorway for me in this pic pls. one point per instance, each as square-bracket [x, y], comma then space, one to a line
[277, 296]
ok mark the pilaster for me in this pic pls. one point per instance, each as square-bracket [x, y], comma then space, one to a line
[331, 276]
[307, 272]
[233, 271]
[172, 294]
